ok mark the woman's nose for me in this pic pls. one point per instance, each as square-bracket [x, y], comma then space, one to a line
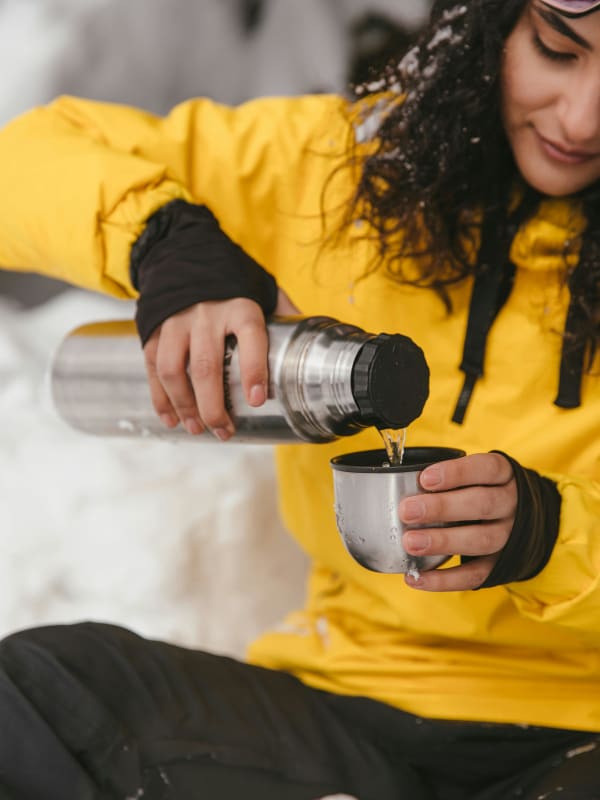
[579, 114]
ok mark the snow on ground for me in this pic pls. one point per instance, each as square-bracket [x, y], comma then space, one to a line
[177, 541]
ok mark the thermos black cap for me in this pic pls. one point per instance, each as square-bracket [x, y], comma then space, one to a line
[390, 381]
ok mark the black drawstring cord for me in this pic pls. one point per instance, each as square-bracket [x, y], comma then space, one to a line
[572, 361]
[492, 286]
[491, 289]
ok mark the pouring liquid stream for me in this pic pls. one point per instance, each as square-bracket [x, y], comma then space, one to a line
[394, 442]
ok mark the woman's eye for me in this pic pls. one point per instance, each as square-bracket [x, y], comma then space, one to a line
[553, 55]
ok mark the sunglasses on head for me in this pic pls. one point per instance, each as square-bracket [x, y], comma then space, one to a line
[573, 8]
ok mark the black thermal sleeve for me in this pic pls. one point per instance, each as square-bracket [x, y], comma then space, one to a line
[182, 258]
[534, 531]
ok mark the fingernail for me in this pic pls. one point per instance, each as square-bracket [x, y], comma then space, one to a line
[413, 580]
[417, 542]
[258, 394]
[222, 433]
[169, 420]
[431, 477]
[411, 510]
[193, 426]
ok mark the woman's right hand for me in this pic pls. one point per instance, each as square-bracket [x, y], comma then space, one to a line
[195, 338]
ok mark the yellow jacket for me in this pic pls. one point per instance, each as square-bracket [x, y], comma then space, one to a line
[79, 180]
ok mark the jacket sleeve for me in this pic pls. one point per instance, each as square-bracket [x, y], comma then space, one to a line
[567, 591]
[81, 177]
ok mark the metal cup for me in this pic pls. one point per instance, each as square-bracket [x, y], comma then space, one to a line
[367, 494]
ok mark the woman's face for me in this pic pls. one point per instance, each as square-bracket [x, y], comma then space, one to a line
[551, 99]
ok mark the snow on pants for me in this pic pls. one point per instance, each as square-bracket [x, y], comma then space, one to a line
[94, 712]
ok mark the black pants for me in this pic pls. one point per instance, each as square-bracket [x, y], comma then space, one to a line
[94, 712]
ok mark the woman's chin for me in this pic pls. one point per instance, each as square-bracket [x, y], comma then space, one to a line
[558, 181]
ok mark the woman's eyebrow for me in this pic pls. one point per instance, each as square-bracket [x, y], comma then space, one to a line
[558, 23]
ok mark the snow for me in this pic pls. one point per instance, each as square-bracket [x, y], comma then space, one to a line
[177, 541]
[339, 797]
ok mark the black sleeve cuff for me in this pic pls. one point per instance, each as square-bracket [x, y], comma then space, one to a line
[183, 258]
[535, 528]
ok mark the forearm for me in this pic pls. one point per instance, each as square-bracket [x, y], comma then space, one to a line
[73, 206]
[534, 531]
[83, 177]
[567, 590]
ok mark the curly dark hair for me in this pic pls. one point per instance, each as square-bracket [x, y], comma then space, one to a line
[441, 152]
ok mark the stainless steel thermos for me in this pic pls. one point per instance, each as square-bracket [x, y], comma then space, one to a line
[327, 379]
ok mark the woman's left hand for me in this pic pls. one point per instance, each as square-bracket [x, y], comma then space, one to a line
[479, 487]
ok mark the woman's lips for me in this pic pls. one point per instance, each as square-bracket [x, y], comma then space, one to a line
[559, 153]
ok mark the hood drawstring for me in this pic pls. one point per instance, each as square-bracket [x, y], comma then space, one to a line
[572, 361]
[491, 289]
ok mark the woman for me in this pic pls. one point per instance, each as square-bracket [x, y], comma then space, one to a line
[457, 205]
